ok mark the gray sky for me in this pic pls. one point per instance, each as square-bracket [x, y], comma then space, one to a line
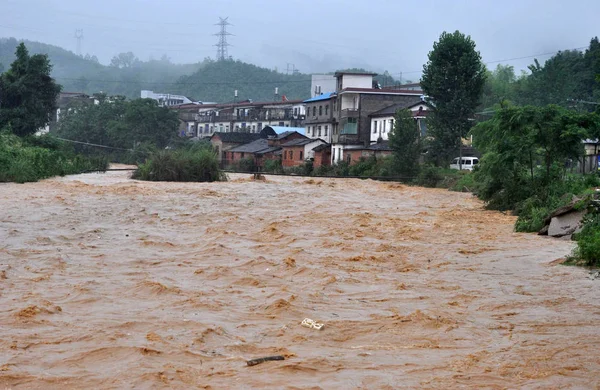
[315, 35]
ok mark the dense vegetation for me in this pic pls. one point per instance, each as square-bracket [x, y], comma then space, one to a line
[568, 79]
[33, 158]
[27, 93]
[525, 167]
[130, 129]
[198, 163]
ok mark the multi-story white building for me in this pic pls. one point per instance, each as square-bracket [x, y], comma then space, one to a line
[165, 99]
[203, 120]
[382, 121]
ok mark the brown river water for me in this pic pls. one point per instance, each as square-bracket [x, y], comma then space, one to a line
[107, 282]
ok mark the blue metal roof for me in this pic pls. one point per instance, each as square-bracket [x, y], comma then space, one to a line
[323, 96]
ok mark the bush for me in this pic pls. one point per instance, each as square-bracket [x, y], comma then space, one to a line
[533, 210]
[273, 166]
[588, 241]
[245, 165]
[33, 158]
[193, 164]
[465, 182]
[306, 169]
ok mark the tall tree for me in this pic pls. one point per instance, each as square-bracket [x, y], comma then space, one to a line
[453, 80]
[27, 93]
[405, 142]
[124, 60]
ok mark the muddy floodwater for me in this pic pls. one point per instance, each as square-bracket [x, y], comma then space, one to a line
[107, 282]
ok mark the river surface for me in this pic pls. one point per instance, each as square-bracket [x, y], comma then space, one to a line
[106, 282]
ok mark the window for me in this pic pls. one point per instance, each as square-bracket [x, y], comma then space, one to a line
[320, 110]
[282, 124]
[391, 124]
[291, 153]
[374, 127]
[301, 155]
[314, 110]
[243, 154]
[259, 126]
[327, 109]
[295, 111]
[319, 130]
[326, 128]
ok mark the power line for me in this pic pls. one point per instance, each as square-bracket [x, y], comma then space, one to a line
[89, 144]
[508, 59]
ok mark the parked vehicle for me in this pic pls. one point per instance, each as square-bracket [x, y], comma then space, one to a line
[468, 163]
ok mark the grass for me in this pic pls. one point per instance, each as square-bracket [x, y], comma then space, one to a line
[34, 158]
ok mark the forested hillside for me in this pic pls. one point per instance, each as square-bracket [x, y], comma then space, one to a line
[127, 75]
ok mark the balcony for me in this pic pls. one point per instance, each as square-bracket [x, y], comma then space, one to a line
[349, 113]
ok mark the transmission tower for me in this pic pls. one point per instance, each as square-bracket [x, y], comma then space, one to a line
[222, 44]
[79, 37]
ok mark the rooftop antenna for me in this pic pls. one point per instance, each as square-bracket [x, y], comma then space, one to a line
[79, 37]
[276, 94]
[222, 44]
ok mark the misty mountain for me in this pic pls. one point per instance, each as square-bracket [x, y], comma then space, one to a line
[86, 74]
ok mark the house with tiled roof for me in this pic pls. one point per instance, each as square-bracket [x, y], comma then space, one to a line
[382, 121]
[266, 147]
[298, 151]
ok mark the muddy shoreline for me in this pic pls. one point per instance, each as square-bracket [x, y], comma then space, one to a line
[107, 282]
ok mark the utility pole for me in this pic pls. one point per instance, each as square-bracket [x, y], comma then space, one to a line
[79, 37]
[222, 44]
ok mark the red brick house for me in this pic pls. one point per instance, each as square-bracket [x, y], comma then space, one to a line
[222, 142]
[262, 149]
[322, 155]
[353, 154]
[297, 151]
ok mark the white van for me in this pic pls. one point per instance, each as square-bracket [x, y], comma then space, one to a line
[468, 163]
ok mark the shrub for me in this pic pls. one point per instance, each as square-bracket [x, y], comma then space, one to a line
[588, 241]
[193, 164]
[245, 165]
[273, 166]
[306, 169]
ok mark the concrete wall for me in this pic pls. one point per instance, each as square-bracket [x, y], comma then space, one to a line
[357, 81]
[325, 81]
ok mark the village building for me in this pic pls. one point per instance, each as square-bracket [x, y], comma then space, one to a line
[354, 153]
[203, 120]
[382, 121]
[266, 147]
[357, 98]
[319, 118]
[322, 155]
[223, 142]
[166, 99]
[298, 151]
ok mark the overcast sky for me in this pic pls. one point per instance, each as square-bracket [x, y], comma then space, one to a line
[314, 35]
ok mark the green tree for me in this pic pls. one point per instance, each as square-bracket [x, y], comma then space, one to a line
[27, 93]
[405, 142]
[118, 123]
[453, 80]
[124, 60]
[519, 139]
